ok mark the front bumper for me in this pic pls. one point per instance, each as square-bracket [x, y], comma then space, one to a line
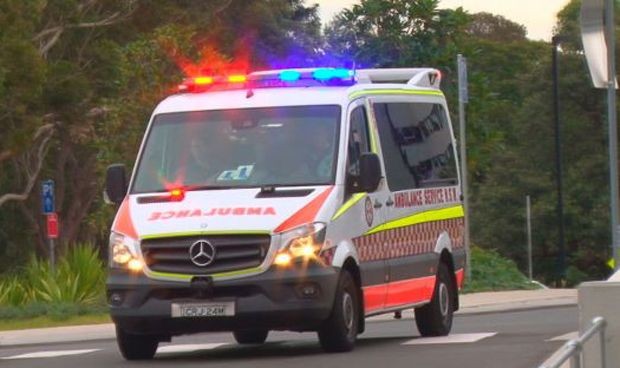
[272, 300]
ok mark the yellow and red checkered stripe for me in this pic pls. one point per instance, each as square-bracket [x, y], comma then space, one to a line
[409, 240]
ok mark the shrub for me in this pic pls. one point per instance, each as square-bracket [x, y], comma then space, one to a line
[14, 293]
[491, 272]
[78, 280]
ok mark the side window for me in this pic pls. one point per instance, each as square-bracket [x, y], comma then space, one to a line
[358, 144]
[416, 145]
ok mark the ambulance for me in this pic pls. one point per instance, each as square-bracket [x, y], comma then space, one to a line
[298, 199]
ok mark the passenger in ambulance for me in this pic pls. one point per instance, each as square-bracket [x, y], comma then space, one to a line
[322, 151]
[198, 169]
[281, 161]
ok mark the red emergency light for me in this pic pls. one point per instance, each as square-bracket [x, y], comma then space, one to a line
[177, 194]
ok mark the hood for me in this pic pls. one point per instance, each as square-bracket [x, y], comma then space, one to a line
[230, 210]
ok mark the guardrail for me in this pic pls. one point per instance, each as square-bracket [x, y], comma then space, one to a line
[573, 349]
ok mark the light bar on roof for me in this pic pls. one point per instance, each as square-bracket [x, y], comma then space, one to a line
[284, 78]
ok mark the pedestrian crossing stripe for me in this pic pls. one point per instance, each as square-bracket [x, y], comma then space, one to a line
[450, 339]
[565, 337]
[187, 348]
[50, 354]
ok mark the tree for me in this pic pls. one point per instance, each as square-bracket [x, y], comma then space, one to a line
[78, 80]
[491, 27]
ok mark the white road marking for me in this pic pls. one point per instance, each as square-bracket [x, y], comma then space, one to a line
[450, 339]
[50, 354]
[187, 348]
[565, 337]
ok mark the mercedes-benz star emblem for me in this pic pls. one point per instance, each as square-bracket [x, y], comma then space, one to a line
[202, 253]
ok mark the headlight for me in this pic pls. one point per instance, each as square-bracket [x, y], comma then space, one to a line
[304, 242]
[124, 252]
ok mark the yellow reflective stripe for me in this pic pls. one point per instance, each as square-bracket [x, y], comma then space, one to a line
[422, 217]
[172, 276]
[357, 94]
[348, 204]
[198, 233]
[445, 213]
[183, 277]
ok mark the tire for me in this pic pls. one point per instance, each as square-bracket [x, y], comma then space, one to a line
[250, 336]
[339, 332]
[136, 347]
[435, 318]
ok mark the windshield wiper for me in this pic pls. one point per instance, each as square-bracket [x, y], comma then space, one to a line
[211, 187]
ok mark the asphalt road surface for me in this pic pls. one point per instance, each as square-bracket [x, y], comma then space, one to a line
[505, 340]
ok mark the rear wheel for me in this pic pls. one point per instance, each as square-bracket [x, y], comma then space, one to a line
[339, 332]
[136, 347]
[435, 318]
[250, 336]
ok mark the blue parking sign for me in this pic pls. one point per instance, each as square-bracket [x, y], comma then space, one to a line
[47, 196]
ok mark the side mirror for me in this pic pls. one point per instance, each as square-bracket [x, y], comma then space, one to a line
[370, 172]
[115, 183]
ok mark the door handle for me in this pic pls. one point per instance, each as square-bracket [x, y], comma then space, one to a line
[389, 202]
[377, 204]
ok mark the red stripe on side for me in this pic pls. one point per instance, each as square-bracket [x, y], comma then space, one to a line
[122, 223]
[374, 297]
[460, 277]
[306, 214]
[410, 291]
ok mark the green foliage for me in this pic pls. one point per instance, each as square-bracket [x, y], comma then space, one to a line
[12, 292]
[77, 281]
[492, 272]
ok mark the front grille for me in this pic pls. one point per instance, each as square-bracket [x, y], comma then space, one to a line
[232, 252]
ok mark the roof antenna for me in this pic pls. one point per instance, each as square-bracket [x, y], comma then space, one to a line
[250, 93]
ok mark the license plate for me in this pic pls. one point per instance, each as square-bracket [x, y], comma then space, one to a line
[200, 310]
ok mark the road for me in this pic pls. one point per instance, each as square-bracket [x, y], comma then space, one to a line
[506, 340]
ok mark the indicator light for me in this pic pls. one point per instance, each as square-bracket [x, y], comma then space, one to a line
[201, 81]
[283, 259]
[237, 78]
[135, 265]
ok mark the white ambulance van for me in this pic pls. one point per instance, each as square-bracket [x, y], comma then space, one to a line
[303, 200]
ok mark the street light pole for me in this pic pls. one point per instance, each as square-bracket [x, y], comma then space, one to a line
[561, 272]
[610, 29]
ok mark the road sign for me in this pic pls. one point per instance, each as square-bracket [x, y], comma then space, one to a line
[47, 197]
[52, 225]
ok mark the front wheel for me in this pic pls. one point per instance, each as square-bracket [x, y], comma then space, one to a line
[435, 318]
[136, 347]
[339, 332]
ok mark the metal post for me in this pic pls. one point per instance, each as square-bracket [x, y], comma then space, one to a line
[558, 161]
[602, 342]
[529, 237]
[613, 128]
[52, 256]
[463, 151]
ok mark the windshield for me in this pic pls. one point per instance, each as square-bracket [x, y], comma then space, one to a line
[284, 146]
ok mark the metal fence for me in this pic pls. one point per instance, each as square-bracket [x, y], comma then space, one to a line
[573, 349]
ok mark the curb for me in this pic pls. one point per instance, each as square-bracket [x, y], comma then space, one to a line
[101, 332]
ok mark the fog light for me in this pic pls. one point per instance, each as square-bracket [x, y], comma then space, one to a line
[116, 299]
[308, 290]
